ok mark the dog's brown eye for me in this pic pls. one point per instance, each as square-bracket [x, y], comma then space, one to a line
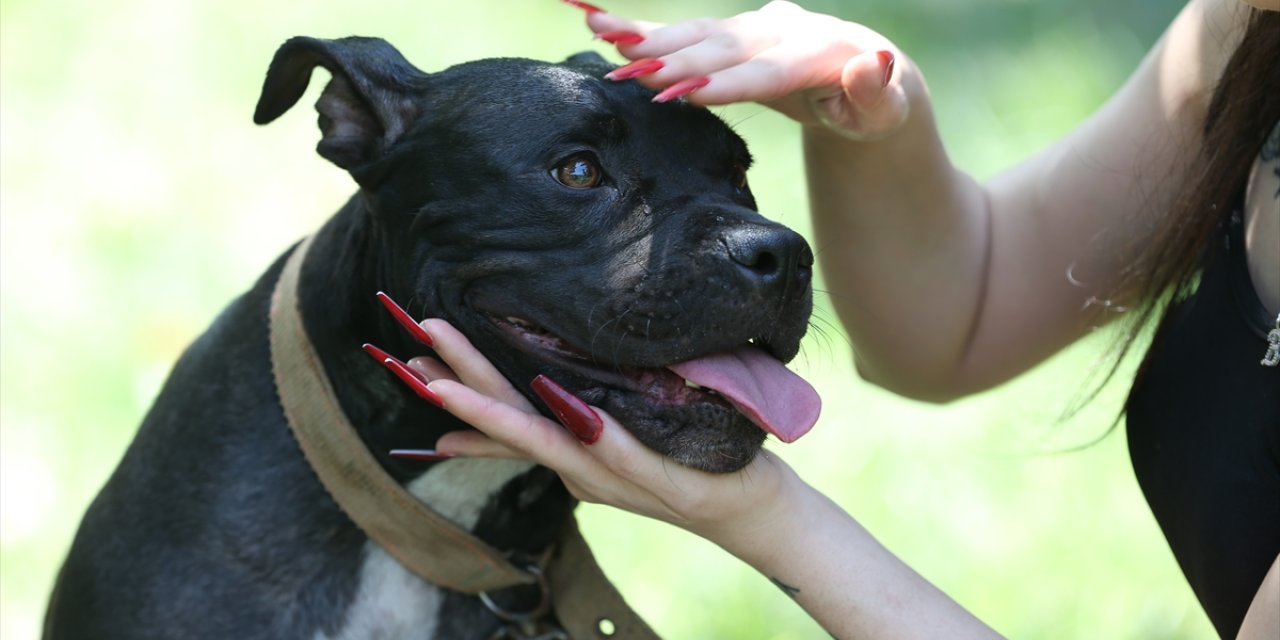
[739, 176]
[578, 172]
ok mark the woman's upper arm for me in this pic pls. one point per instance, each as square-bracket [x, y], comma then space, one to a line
[1066, 221]
[1262, 620]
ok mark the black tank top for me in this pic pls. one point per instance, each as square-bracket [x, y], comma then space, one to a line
[1204, 435]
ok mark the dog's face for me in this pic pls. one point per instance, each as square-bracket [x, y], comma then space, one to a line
[571, 227]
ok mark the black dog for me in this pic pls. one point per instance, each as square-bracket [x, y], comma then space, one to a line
[568, 225]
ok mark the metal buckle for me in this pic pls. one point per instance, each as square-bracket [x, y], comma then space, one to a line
[526, 625]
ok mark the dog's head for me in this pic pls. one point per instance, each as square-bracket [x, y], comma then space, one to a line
[570, 226]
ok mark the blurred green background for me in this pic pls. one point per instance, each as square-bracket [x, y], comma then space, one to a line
[138, 198]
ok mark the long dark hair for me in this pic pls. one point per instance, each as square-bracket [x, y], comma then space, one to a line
[1244, 108]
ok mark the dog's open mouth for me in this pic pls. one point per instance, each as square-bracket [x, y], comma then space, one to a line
[747, 378]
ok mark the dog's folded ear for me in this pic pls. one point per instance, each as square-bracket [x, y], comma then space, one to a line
[367, 104]
[589, 61]
[588, 58]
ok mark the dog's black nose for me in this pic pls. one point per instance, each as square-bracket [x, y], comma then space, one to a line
[771, 256]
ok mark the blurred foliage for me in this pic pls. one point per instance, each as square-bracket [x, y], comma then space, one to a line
[137, 199]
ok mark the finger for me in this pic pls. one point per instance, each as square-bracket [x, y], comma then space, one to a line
[532, 435]
[611, 464]
[763, 78]
[534, 438]
[714, 53]
[470, 366]
[872, 85]
[431, 368]
[629, 475]
[661, 40]
[865, 77]
[868, 103]
[474, 444]
[626, 457]
[604, 22]
[609, 26]
[703, 47]
[773, 67]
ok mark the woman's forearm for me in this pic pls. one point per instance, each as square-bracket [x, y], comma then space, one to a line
[845, 579]
[903, 242]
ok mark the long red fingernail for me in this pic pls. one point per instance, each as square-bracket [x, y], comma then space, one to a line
[684, 87]
[886, 59]
[375, 352]
[420, 454]
[380, 356]
[635, 68]
[406, 320]
[415, 380]
[569, 409]
[383, 356]
[585, 6]
[620, 37]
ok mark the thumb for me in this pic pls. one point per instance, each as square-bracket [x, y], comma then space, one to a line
[871, 102]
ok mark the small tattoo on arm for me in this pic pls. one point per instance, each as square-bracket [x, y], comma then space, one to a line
[786, 588]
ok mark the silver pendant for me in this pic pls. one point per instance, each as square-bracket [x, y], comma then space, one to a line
[1272, 357]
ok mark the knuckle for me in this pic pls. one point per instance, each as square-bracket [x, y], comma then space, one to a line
[577, 491]
[726, 40]
[489, 411]
[771, 73]
[626, 464]
[703, 25]
[688, 505]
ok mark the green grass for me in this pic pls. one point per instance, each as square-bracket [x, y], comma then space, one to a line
[137, 198]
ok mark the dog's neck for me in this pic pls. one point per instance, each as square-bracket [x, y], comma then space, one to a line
[341, 313]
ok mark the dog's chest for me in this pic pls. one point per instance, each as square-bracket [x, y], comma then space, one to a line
[390, 601]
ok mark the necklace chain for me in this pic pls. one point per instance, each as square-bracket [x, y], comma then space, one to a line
[1272, 357]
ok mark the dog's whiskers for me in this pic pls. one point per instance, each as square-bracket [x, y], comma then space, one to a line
[596, 336]
[617, 344]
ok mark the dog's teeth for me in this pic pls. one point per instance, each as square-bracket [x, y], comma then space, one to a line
[692, 385]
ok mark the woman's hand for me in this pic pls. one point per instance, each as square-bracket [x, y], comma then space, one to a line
[614, 469]
[816, 69]
[763, 514]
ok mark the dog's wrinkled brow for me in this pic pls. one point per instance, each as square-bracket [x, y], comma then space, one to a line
[593, 127]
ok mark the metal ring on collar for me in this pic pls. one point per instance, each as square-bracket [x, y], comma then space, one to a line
[532, 615]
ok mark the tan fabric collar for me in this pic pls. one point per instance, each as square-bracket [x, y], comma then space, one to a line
[422, 540]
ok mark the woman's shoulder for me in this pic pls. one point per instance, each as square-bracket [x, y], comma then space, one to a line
[1197, 47]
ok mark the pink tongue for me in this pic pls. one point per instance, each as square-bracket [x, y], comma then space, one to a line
[769, 394]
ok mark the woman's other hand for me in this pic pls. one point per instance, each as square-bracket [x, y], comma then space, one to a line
[816, 69]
